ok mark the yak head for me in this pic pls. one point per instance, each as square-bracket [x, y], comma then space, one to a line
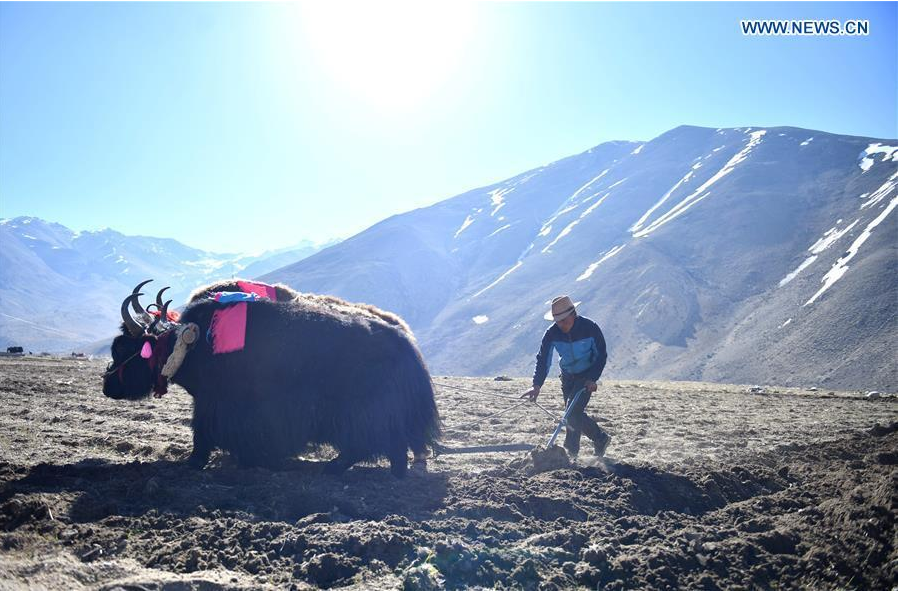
[132, 373]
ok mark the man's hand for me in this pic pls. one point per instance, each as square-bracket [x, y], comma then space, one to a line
[533, 393]
[590, 386]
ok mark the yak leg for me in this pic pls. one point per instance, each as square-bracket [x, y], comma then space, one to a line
[419, 453]
[202, 449]
[399, 460]
[341, 463]
[202, 442]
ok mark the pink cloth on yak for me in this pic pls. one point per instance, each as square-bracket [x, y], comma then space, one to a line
[229, 325]
[260, 289]
[229, 328]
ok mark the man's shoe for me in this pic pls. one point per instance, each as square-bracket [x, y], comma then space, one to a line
[600, 445]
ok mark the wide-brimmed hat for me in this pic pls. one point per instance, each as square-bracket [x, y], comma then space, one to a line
[562, 308]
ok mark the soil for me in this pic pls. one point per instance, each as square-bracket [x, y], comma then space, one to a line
[706, 486]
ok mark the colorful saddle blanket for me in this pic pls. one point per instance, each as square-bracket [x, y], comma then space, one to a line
[228, 329]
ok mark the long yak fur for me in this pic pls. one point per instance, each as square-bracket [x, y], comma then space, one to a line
[309, 375]
[285, 293]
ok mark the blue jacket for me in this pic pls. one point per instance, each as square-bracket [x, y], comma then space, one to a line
[581, 351]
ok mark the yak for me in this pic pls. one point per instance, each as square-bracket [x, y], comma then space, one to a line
[309, 374]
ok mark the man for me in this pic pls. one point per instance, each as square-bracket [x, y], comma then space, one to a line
[582, 357]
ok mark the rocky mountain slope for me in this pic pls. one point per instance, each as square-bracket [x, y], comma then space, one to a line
[742, 255]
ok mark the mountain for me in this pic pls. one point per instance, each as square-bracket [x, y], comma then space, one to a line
[752, 255]
[60, 290]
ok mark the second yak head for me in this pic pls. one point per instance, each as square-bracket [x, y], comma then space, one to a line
[135, 356]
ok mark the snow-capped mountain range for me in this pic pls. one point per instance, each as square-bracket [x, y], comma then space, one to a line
[749, 255]
[61, 289]
[753, 255]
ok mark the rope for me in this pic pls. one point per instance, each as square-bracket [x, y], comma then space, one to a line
[496, 414]
[109, 372]
[442, 449]
[478, 392]
[543, 408]
[510, 447]
[537, 404]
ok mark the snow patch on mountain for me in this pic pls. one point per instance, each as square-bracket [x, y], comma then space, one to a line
[791, 276]
[831, 236]
[605, 256]
[697, 195]
[588, 184]
[498, 230]
[842, 265]
[547, 225]
[500, 278]
[569, 227]
[565, 231]
[866, 157]
[639, 223]
[496, 198]
[884, 190]
[590, 209]
[465, 224]
[568, 205]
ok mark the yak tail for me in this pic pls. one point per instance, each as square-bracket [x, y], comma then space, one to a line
[421, 416]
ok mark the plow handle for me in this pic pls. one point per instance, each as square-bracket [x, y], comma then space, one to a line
[564, 420]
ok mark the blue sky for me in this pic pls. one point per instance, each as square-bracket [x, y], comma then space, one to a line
[244, 126]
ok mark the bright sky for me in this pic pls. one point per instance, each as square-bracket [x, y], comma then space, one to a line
[243, 126]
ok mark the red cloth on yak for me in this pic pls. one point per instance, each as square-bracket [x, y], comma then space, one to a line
[260, 289]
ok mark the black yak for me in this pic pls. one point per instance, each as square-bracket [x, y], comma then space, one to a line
[307, 375]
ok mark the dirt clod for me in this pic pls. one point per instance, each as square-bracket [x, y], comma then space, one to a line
[551, 458]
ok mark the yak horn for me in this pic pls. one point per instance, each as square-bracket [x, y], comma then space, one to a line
[159, 299]
[134, 327]
[136, 304]
[163, 315]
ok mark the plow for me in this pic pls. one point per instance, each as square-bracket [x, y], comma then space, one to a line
[439, 449]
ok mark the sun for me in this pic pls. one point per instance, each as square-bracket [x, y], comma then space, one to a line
[393, 55]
